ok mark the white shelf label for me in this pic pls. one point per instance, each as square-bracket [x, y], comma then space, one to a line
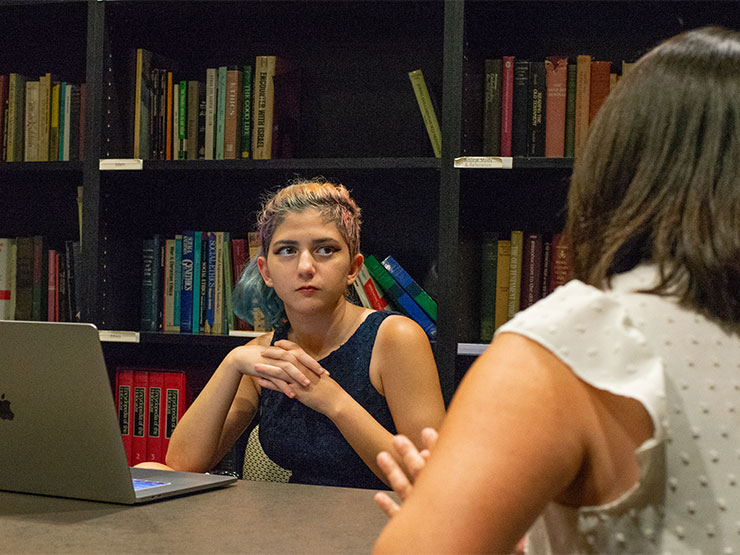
[119, 336]
[484, 162]
[471, 349]
[121, 164]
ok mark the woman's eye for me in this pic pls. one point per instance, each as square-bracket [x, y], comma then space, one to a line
[284, 251]
[326, 250]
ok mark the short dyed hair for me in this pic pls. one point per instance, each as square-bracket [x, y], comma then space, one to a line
[335, 205]
[659, 176]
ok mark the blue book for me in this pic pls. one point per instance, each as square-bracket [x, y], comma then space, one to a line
[399, 296]
[178, 279]
[414, 290]
[211, 284]
[186, 292]
[197, 269]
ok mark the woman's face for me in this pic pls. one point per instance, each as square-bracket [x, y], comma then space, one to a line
[308, 263]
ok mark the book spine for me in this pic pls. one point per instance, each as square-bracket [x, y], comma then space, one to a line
[583, 103]
[186, 293]
[228, 281]
[31, 137]
[169, 118]
[72, 143]
[182, 120]
[507, 105]
[246, 126]
[536, 110]
[51, 285]
[411, 287]
[125, 406]
[175, 401]
[201, 303]
[211, 79]
[44, 117]
[3, 116]
[221, 112]
[599, 86]
[546, 262]
[515, 272]
[520, 123]
[264, 106]
[197, 281]
[556, 68]
[531, 285]
[570, 110]
[155, 417]
[503, 262]
[211, 283]
[232, 119]
[6, 263]
[492, 107]
[140, 417]
[427, 110]
[192, 119]
[561, 268]
[177, 309]
[218, 292]
[399, 296]
[489, 260]
[16, 117]
[169, 287]
[375, 296]
[150, 265]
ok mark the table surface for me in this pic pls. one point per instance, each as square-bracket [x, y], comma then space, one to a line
[253, 517]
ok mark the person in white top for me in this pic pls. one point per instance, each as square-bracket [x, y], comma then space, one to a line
[606, 418]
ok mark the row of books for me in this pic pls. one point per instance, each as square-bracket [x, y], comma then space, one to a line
[235, 112]
[543, 107]
[39, 283]
[150, 403]
[42, 120]
[187, 281]
[517, 270]
[387, 285]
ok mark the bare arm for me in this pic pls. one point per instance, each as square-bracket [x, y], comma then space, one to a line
[514, 440]
[219, 414]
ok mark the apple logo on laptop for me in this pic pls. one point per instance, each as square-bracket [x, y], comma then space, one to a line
[5, 412]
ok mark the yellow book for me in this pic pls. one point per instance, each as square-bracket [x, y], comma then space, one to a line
[44, 117]
[427, 110]
[54, 126]
[515, 272]
[502, 282]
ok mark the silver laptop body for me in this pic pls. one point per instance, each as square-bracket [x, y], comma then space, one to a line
[59, 432]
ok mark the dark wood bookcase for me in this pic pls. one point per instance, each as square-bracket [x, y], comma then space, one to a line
[360, 124]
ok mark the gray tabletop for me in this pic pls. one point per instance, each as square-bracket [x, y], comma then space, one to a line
[248, 517]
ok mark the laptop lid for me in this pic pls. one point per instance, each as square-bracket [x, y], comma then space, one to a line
[59, 432]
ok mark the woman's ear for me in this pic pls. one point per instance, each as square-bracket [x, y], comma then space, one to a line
[262, 265]
[354, 268]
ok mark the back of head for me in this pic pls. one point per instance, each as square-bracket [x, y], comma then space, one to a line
[659, 178]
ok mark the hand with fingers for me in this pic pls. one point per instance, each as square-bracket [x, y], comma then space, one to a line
[412, 460]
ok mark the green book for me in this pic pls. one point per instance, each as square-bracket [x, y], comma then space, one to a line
[489, 261]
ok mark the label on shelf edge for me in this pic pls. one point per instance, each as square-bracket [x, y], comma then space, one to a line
[121, 164]
[484, 162]
[119, 336]
[471, 349]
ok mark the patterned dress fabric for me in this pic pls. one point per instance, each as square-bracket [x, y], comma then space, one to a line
[685, 370]
[307, 443]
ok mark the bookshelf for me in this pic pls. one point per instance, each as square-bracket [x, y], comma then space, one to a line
[360, 124]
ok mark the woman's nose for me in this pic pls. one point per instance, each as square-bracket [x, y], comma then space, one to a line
[306, 263]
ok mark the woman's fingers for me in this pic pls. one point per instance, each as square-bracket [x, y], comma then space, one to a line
[387, 504]
[412, 459]
[283, 371]
[397, 478]
[299, 354]
[429, 438]
[277, 385]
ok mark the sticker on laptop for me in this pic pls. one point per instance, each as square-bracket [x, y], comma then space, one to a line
[146, 484]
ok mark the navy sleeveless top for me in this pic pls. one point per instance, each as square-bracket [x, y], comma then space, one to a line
[307, 442]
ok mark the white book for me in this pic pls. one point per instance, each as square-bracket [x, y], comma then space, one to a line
[169, 287]
[210, 144]
[7, 265]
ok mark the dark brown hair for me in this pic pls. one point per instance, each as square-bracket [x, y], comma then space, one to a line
[659, 177]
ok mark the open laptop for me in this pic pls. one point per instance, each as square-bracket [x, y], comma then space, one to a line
[59, 432]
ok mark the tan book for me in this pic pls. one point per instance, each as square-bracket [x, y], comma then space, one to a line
[502, 282]
[515, 272]
[583, 93]
[31, 137]
[599, 86]
[44, 117]
[232, 118]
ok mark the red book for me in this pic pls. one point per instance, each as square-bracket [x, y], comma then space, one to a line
[175, 396]
[556, 68]
[600, 86]
[240, 259]
[125, 408]
[507, 105]
[373, 293]
[140, 403]
[561, 267]
[156, 417]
